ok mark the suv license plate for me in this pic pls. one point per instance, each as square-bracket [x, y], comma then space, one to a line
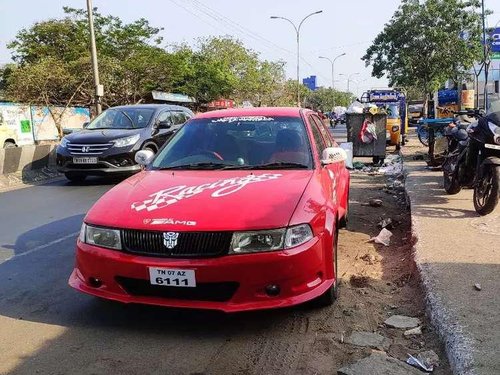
[85, 160]
[172, 277]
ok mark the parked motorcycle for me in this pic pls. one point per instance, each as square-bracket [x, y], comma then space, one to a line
[473, 159]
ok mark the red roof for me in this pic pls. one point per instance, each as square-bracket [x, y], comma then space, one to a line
[256, 111]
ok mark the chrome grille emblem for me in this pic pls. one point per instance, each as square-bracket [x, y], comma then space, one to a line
[170, 239]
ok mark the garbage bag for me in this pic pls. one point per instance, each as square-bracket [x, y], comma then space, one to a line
[368, 132]
[347, 146]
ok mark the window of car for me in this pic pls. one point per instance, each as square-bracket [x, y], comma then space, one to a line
[178, 117]
[321, 126]
[318, 138]
[122, 118]
[239, 142]
[165, 116]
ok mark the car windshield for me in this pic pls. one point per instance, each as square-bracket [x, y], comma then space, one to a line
[246, 142]
[123, 118]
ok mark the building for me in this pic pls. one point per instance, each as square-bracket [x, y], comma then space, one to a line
[310, 83]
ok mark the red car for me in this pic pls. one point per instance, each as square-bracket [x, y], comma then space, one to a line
[239, 211]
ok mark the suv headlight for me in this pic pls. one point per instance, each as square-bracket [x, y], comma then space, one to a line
[270, 240]
[127, 141]
[64, 142]
[103, 237]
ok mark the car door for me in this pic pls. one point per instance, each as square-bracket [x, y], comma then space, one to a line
[162, 134]
[340, 181]
[329, 171]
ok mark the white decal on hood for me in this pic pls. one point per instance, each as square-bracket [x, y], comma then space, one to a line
[169, 221]
[174, 194]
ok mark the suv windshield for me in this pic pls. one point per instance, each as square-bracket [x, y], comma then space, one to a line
[126, 118]
[246, 142]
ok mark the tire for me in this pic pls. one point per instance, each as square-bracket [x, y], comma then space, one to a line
[423, 136]
[332, 293]
[451, 183]
[75, 176]
[486, 191]
[9, 144]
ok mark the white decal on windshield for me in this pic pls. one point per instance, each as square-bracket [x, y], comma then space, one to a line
[222, 188]
[243, 118]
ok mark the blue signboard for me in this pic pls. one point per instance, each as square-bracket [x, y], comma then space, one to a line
[495, 40]
[384, 96]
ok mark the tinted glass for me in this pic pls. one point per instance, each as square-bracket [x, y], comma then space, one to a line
[318, 139]
[238, 141]
[127, 118]
[165, 116]
[178, 118]
[324, 131]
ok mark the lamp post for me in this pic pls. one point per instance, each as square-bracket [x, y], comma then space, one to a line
[333, 66]
[349, 80]
[93, 51]
[297, 32]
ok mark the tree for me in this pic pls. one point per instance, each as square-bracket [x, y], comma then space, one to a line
[421, 46]
[326, 98]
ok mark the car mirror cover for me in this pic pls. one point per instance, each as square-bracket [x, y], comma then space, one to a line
[333, 155]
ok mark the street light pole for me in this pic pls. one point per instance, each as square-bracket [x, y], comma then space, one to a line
[93, 51]
[349, 80]
[297, 32]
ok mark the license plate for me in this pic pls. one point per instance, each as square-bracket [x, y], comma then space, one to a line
[85, 160]
[172, 277]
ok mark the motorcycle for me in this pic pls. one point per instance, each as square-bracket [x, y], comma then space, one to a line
[473, 159]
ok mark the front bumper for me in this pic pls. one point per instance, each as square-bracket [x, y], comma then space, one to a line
[301, 273]
[107, 164]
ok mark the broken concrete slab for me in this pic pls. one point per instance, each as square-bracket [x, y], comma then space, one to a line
[368, 339]
[413, 332]
[378, 364]
[401, 321]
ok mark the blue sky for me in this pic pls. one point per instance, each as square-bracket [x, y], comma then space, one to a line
[344, 26]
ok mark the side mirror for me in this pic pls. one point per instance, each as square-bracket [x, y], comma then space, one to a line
[85, 124]
[332, 155]
[144, 157]
[163, 125]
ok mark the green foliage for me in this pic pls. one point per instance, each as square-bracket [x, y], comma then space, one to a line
[326, 98]
[420, 47]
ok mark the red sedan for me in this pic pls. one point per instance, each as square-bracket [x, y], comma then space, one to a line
[239, 211]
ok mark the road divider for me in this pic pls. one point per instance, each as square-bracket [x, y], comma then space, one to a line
[27, 158]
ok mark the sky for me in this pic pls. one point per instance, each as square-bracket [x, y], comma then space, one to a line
[343, 27]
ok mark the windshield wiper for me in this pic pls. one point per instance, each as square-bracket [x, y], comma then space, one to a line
[206, 165]
[277, 165]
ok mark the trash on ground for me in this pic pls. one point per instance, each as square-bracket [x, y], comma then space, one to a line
[383, 238]
[401, 321]
[358, 165]
[477, 286]
[373, 203]
[417, 331]
[347, 146]
[386, 223]
[415, 362]
[393, 165]
[429, 358]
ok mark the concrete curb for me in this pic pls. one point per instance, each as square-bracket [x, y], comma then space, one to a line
[26, 158]
[458, 346]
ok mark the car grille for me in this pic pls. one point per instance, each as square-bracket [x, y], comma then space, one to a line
[188, 244]
[215, 292]
[88, 149]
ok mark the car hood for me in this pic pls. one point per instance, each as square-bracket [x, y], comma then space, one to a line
[202, 200]
[100, 136]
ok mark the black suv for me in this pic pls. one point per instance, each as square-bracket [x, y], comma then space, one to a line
[108, 144]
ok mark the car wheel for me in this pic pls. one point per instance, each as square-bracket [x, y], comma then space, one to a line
[332, 293]
[75, 177]
[8, 144]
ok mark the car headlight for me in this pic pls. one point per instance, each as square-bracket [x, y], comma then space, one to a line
[103, 237]
[127, 141]
[270, 240]
[64, 142]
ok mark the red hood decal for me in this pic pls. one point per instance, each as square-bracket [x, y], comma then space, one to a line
[202, 200]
